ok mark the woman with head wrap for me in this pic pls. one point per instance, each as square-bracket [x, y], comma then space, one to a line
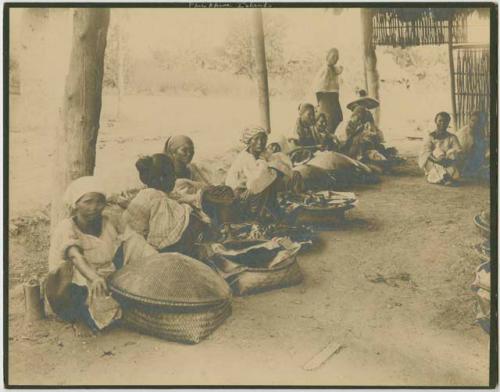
[192, 185]
[81, 257]
[252, 179]
[327, 87]
[180, 149]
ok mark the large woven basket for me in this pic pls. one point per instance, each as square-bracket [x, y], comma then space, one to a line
[172, 296]
[253, 280]
[179, 325]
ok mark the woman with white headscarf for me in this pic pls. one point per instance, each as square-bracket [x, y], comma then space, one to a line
[254, 179]
[82, 255]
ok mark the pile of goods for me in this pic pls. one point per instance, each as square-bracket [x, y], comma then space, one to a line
[256, 266]
[482, 282]
[318, 207]
[304, 235]
[173, 297]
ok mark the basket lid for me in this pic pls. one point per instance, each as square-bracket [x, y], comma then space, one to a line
[170, 279]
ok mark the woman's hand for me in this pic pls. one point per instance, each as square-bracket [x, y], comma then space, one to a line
[98, 288]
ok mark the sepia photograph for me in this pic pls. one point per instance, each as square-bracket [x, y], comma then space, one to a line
[250, 195]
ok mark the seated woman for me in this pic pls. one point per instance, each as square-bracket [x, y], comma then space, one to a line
[166, 224]
[180, 149]
[474, 143]
[253, 180]
[440, 153]
[82, 255]
[326, 139]
[305, 130]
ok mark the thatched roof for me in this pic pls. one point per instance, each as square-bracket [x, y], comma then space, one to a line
[421, 26]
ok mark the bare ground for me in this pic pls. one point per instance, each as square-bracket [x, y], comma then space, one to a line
[391, 286]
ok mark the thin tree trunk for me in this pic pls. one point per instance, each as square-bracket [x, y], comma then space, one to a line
[452, 72]
[76, 140]
[261, 69]
[370, 57]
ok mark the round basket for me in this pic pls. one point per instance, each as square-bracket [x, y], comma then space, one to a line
[483, 227]
[253, 280]
[183, 327]
[170, 280]
[321, 215]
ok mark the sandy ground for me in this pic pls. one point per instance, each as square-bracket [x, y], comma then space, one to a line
[415, 329]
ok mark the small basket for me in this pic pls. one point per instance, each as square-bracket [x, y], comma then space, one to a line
[178, 325]
[253, 280]
[483, 227]
[321, 216]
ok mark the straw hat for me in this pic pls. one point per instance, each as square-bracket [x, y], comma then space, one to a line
[363, 100]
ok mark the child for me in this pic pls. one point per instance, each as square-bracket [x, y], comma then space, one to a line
[167, 225]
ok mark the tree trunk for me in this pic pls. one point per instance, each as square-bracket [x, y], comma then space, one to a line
[261, 69]
[370, 58]
[452, 73]
[76, 140]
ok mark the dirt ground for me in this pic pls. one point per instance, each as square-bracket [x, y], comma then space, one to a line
[391, 285]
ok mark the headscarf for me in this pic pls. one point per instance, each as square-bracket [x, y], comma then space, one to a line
[251, 132]
[174, 142]
[80, 187]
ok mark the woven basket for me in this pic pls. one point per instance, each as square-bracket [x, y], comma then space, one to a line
[175, 325]
[483, 227]
[253, 280]
[321, 216]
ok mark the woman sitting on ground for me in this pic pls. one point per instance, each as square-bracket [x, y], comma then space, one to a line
[474, 143]
[365, 141]
[83, 253]
[440, 153]
[254, 180]
[166, 224]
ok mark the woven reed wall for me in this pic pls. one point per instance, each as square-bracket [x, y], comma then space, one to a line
[418, 26]
[472, 81]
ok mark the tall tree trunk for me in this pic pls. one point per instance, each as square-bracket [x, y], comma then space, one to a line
[370, 57]
[261, 69]
[452, 73]
[76, 140]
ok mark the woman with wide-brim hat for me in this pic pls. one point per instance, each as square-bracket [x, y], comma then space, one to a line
[364, 101]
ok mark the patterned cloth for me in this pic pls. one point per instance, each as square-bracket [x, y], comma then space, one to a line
[446, 146]
[157, 217]
[482, 287]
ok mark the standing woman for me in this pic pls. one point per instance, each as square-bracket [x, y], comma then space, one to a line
[326, 87]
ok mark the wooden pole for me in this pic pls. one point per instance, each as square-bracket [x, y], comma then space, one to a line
[33, 301]
[76, 139]
[370, 57]
[452, 72]
[261, 69]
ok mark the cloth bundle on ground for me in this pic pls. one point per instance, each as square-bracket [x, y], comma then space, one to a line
[172, 296]
[482, 287]
[256, 266]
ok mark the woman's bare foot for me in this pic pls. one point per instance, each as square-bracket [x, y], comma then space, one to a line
[82, 330]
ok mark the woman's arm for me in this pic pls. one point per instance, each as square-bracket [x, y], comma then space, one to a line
[98, 286]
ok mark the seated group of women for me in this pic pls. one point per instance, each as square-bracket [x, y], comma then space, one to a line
[176, 209]
[364, 140]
